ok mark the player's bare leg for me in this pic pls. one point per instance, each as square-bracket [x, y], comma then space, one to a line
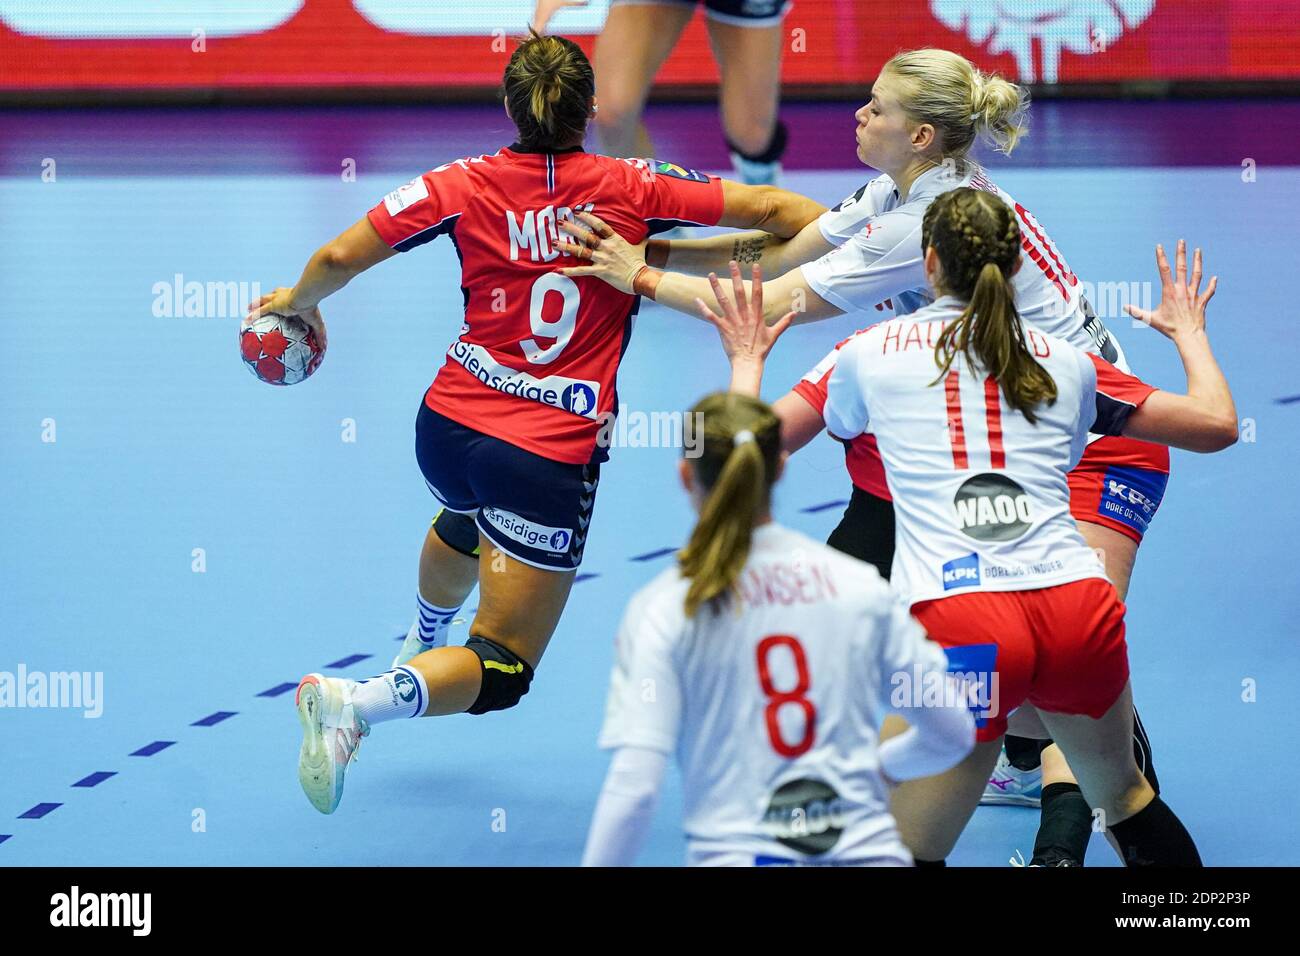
[1068, 829]
[932, 811]
[749, 63]
[519, 609]
[1101, 754]
[446, 578]
[633, 45]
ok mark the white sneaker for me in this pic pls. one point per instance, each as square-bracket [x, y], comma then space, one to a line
[331, 735]
[411, 646]
[1009, 787]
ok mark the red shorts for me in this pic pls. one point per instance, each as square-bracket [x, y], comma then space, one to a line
[1118, 484]
[1060, 648]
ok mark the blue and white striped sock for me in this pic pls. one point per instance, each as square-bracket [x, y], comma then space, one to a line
[434, 622]
[392, 696]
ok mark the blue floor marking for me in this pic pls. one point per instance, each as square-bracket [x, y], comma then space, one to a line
[814, 509]
[96, 778]
[38, 811]
[148, 750]
[651, 555]
[212, 719]
[348, 661]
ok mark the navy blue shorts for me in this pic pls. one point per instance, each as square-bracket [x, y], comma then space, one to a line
[741, 13]
[534, 509]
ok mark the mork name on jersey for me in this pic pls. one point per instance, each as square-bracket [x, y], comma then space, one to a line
[536, 233]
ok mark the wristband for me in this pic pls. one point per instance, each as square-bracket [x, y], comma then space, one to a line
[656, 253]
[646, 281]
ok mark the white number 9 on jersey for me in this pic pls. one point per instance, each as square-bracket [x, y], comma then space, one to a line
[561, 329]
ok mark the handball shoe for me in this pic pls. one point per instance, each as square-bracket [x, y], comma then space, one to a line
[1009, 787]
[331, 735]
[411, 646]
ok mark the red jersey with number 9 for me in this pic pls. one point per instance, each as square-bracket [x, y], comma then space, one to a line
[536, 361]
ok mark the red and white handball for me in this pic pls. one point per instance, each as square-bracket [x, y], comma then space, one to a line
[280, 349]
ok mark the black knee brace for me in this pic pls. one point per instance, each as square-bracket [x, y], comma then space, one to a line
[458, 532]
[775, 146]
[506, 677]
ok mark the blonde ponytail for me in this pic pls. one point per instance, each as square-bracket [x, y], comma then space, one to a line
[740, 456]
[945, 89]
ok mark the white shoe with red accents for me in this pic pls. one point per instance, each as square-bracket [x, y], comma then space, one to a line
[331, 736]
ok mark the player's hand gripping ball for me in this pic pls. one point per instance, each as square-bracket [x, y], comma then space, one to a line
[280, 349]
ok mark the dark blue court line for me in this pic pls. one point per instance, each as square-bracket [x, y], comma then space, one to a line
[148, 750]
[214, 718]
[38, 811]
[1289, 400]
[651, 555]
[813, 509]
[347, 661]
[585, 577]
[96, 778]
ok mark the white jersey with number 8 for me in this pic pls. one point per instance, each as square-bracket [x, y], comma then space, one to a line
[773, 703]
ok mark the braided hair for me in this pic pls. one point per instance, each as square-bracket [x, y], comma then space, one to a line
[977, 240]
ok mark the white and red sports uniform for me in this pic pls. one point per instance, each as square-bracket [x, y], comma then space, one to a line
[1119, 482]
[983, 505]
[773, 704]
[509, 428]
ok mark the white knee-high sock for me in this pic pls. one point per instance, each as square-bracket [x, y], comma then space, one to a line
[434, 622]
[392, 696]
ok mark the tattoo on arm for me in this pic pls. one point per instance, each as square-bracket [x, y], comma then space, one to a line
[749, 250]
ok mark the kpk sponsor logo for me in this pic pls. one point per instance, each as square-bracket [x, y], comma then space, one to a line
[992, 507]
[539, 536]
[963, 572]
[805, 815]
[573, 395]
[1132, 496]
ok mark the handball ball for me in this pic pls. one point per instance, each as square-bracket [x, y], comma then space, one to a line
[280, 349]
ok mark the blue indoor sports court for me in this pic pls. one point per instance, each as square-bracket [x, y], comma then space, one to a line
[180, 543]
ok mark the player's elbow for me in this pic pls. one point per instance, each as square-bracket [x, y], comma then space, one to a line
[1220, 433]
[337, 258]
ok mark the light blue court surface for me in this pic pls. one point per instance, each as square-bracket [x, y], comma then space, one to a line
[165, 444]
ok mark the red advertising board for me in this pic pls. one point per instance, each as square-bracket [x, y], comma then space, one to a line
[372, 44]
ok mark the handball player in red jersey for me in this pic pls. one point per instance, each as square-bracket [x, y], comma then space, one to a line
[507, 436]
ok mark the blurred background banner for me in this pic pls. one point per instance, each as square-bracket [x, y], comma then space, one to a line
[459, 49]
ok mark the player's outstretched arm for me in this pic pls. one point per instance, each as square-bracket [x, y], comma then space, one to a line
[612, 258]
[543, 10]
[333, 266]
[789, 237]
[746, 337]
[1205, 419]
